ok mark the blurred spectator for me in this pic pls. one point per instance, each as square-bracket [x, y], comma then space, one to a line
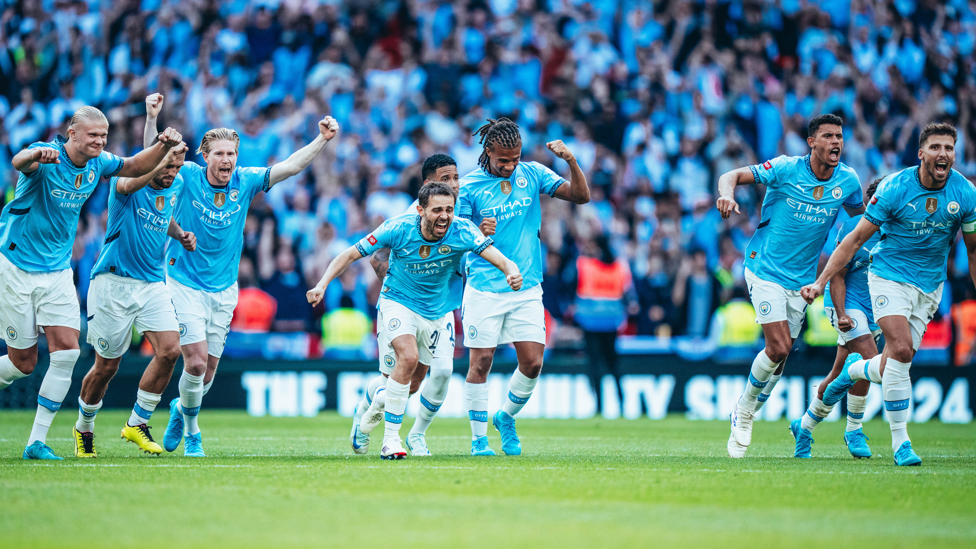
[288, 288]
[696, 294]
[344, 330]
[256, 309]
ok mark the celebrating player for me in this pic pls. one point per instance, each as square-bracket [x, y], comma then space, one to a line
[37, 230]
[803, 196]
[847, 302]
[502, 196]
[213, 205]
[128, 289]
[439, 168]
[920, 209]
[416, 303]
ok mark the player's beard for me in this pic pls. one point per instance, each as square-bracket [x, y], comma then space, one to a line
[930, 168]
[433, 230]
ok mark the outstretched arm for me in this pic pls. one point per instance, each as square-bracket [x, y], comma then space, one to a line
[28, 160]
[336, 268]
[840, 258]
[578, 192]
[726, 189]
[144, 162]
[129, 185]
[300, 159]
[512, 274]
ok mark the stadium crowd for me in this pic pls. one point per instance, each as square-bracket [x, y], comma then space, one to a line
[655, 99]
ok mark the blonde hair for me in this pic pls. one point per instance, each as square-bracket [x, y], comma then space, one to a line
[87, 114]
[218, 134]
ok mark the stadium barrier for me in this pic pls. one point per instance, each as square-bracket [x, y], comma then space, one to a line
[650, 386]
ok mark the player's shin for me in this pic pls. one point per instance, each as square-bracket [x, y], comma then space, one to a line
[86, 416]
[897, 387]
[396, 404]
[866, 369]
[8, 372]
[54, 387]
[191, 396]
[431, 398]
[768, 390]
[759, 377]
[144, 407]
[817, 412]
[519, 390]
[476, 397]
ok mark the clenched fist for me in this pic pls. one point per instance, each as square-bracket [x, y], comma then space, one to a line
[560, 149]
[328, 127]
[154, 104]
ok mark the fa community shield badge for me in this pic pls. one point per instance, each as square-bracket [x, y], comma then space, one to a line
[424, 252]
[931, 204]
[506, 186]
[220, 199]
[818, 192]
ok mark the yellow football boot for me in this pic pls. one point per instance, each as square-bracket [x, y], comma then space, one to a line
[84, 444]
[141, 437]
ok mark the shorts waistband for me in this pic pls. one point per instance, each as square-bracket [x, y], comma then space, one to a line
[116, 279]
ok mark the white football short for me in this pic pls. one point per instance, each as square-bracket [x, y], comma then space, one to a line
[116, 304]
[890, 298]
[29, 300]
[203, 316]
[774, 303]
[862, 326]
[492, 319]
[435, 338]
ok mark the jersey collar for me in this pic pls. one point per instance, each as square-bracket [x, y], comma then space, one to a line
[60, 140]
[806, 160]
[420, 220]
[918, 181]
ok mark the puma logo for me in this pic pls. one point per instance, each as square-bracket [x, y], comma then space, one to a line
[914, 206]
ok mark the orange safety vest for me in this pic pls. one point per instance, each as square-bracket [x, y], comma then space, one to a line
[597, 280]
[964, 315]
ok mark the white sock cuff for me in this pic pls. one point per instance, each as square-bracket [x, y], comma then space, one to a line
[522, 383]
[819, 409]
[65, 360]
[192, 379]
[475, 391]
[89, 408]
[856, 404]
[395, 389]
[763, 361]
[8, 370]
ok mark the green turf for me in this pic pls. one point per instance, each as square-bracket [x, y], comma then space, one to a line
[276, 482]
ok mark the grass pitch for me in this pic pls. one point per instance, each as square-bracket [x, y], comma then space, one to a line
[277, 482]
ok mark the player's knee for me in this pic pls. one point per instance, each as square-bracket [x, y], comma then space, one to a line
[408, 358]
[482, 364]
[106, 368]
[195, 366]
[25, 364]
[777, 352]
[532, 368]
[900, 351]
[168, 354]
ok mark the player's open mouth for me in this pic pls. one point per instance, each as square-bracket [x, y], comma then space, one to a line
[441, 225]
[941, 167]
[835, 154]
[224, 172]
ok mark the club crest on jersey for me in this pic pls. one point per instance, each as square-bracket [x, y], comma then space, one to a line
[764, 308]
[506, 186]
[220, 199]
[931, 204]
[160, 202]
[394, 324]
[11, 333]
[234, 193]
[836, 192]
[424, 252]
[172, 200]
[78, 181]
[818, 192]
[522, 182]
[881, 301]
[444, 250]
[953, 207]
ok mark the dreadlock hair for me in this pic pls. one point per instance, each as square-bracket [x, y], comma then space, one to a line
[433, 163]
[502, 132]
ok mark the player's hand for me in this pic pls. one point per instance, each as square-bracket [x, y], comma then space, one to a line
[46, 155]
[328, 127]
[175, 152]
[810, 292]
[488, 226]
[560, 149]
[154, 104]
[726, 205]
[514, 277]
[189, 241]
[170, 138]
[315, 295]
[845, 323]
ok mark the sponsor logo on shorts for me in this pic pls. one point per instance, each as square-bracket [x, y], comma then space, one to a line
[506, 186]
[818, 192]
[881, 301]
[160, 202]
[234, 193]
[444, 250]
[931, 204]
[953, 207]
[395, 323]
[102, 344]
[182, 329]
[220, 199]
[472, 332]
[764, 308]
[389, 360]
[11, 333]
[522, 182]
[424, 252]
[836, 192]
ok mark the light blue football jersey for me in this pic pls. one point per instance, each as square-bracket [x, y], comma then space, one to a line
[919, 226]
[514, 203]
[135, 235]
[858, 294]
[797, 213]
[457, 281]
[216, 216]
[420, 270]
[37, 227]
